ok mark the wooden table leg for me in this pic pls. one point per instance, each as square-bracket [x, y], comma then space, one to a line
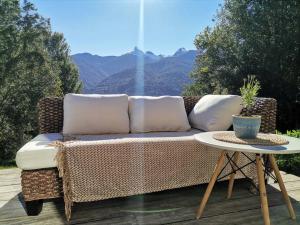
[262, 190]
[282, 187]
[210, 186]
[231, 179]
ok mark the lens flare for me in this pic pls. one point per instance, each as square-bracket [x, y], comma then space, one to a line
[139, 81]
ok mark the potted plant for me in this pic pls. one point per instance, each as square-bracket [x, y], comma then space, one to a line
[247, 125]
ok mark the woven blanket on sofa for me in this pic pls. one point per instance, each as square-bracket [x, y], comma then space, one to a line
[94, 170]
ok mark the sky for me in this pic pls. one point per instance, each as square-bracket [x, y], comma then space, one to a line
[115, 27]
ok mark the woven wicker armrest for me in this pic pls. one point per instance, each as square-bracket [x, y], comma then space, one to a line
[51, 115]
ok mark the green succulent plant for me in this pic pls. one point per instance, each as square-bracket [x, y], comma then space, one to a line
[249, 92]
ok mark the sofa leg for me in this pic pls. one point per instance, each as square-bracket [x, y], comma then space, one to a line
[33, 208]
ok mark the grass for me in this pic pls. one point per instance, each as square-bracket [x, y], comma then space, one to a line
[7, 167]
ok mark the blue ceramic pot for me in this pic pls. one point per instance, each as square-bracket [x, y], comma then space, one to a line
[246, 126]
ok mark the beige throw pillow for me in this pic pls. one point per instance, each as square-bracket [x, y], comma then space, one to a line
[214, 112]
[164, 113]
[95, 114]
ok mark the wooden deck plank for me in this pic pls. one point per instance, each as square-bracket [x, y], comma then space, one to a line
[278, 216]
[167, 207]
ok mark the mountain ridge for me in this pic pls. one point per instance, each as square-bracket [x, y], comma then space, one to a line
[118, 74]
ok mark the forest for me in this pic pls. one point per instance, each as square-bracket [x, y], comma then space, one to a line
[34, 63]
[253, 37]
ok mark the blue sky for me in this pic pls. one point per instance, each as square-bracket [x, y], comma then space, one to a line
[111, 27]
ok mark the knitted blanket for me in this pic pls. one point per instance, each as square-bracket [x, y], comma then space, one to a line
[94, 170]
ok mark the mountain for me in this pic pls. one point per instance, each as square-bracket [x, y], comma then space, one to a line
[180, 51]
[162, 75]
[91, 68]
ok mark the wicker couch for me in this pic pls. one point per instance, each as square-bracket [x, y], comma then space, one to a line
[44, 183]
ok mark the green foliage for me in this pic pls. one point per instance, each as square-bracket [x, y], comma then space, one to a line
[291, 162]
[252, 37]
[293, 133]
[7, 167]
[33, 64]
[67, 72]
[249, 91]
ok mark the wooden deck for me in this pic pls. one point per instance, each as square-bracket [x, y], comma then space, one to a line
[167, 207]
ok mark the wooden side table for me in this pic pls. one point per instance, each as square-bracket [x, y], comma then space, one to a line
[207, 139]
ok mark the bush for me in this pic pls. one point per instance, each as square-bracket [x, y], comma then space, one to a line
[290, 163]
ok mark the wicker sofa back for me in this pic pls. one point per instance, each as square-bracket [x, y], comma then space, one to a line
[51, 113]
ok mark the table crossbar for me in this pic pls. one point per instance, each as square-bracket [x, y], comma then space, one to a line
[235, 168]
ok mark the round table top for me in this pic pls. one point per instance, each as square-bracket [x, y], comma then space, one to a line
[293, 146]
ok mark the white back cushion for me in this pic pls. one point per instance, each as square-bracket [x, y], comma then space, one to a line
[214, 112]
[164, 113]
[95, 114]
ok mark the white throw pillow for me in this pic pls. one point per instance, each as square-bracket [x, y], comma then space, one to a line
[214, 112]
[164, 113]
[95, 114]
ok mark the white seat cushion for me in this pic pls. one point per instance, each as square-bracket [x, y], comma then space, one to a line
[153, 114]
[214, 112]
[95, 114]
[38, 154]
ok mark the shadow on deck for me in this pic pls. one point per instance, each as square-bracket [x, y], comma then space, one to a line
[168, 207]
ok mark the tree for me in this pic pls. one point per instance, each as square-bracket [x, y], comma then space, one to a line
[28, 72]
[252, 37]
[61, 63]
